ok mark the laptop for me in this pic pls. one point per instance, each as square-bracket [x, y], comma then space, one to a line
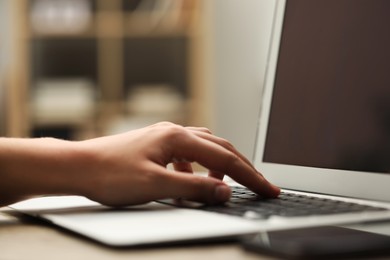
[323, 136]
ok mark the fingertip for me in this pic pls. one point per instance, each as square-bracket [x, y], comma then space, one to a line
[196, 188]
[264, 188]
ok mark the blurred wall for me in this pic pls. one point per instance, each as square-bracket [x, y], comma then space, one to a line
[239, 38]
[4, 57]
[3, 33]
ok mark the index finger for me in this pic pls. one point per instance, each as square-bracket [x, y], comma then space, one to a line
[227, 145]
[219, 159]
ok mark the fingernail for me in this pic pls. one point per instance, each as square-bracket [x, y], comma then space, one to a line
[222, 193]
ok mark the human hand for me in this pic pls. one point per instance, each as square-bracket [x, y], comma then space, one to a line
[131, 168]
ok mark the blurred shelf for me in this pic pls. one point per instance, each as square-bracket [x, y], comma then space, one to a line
[118, 45]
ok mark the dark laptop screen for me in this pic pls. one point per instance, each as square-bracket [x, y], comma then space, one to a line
[331, 100]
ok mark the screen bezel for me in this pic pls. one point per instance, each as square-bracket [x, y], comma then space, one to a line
[364, 185]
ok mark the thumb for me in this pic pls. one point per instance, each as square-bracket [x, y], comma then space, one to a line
[194, 187]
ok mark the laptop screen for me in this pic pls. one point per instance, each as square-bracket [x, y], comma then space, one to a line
[331, 99]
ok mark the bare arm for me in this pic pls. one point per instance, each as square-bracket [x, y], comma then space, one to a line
[31, 167]
[126, 169]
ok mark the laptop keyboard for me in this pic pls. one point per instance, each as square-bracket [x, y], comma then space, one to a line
[247, 204]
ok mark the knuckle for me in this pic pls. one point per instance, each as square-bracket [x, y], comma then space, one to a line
[205, 129]
[170, 130]
[175, 132]
[225, 143]
[164, 124]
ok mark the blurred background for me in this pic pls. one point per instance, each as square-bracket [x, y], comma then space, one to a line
[77, 69]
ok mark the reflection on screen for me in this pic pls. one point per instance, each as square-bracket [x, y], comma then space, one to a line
[331, 100]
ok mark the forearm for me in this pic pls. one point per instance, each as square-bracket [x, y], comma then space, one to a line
[31, 167]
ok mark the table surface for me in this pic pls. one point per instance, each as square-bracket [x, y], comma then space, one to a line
[28, 239]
